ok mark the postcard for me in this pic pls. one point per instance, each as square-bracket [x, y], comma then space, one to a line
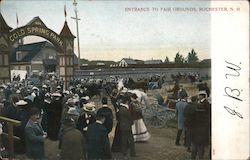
[185, 62]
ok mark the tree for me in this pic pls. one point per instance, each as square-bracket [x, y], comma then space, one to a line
[166, 60]
[192, 57]
[178, 58]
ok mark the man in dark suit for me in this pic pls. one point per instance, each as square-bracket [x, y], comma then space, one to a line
[86, 118]
[189, 114]
[54, 116]
[98, 146]
[201, 127]
[105, 110]
[126, 122]
[73, 146]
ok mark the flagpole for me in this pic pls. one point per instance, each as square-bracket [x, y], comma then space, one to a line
[65, 12]
[77, 32]
[17, 21]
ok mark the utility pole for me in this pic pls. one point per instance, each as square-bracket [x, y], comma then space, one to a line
[77, 32]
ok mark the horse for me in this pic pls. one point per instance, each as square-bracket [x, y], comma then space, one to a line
[108, 88]
[92, 89]
[131, 84]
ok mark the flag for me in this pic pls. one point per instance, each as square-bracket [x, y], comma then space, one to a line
[17, 19]
[65, 13]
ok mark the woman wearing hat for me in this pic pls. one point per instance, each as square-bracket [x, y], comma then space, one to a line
[123, 139]
[87, 118]
[139, 129]
[34, 136]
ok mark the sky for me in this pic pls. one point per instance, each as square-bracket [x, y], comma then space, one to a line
[108, 30]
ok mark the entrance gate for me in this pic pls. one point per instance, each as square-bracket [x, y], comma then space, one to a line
[63, 42]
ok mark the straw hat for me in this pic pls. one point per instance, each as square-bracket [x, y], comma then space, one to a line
[58, 87]
[66, 92]
[21, 103]
[2, 86]
[86, 98]
[44, 86]
[70, 101]
[90, 107]
[56, 94]
[35, 88]
[18, 91]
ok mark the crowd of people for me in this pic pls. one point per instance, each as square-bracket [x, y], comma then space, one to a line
[193, 119]
[82, 128]
[193, 116]
[73, 119]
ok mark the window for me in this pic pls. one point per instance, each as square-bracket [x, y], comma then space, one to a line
[19, 56]
[51, 57]
[71, 61]
[6, 59]
[1, 59]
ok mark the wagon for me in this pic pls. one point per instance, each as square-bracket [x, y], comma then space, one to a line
[158, 116]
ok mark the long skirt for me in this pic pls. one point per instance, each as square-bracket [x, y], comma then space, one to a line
[116, 146]
[139, 131]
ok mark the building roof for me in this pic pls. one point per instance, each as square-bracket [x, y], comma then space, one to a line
[4, 26]
[32, 50]
[66, 31]
[36, 21]
[129, 61]
[156, 61]
[206, 61]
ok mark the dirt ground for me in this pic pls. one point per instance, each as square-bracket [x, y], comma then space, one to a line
[161, 145]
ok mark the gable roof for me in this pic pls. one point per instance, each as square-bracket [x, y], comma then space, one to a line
[66, 31]
[32, 50]
[129, 61]
[36, 21]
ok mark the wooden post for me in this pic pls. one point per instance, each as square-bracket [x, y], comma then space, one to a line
[11, 140]
[10, 124]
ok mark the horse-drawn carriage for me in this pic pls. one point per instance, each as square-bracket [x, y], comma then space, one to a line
[159, 115]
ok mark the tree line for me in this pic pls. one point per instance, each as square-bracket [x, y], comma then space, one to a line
[191, 58]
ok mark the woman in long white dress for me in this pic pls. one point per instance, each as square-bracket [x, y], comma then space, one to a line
[139, 129]
[138, 102]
